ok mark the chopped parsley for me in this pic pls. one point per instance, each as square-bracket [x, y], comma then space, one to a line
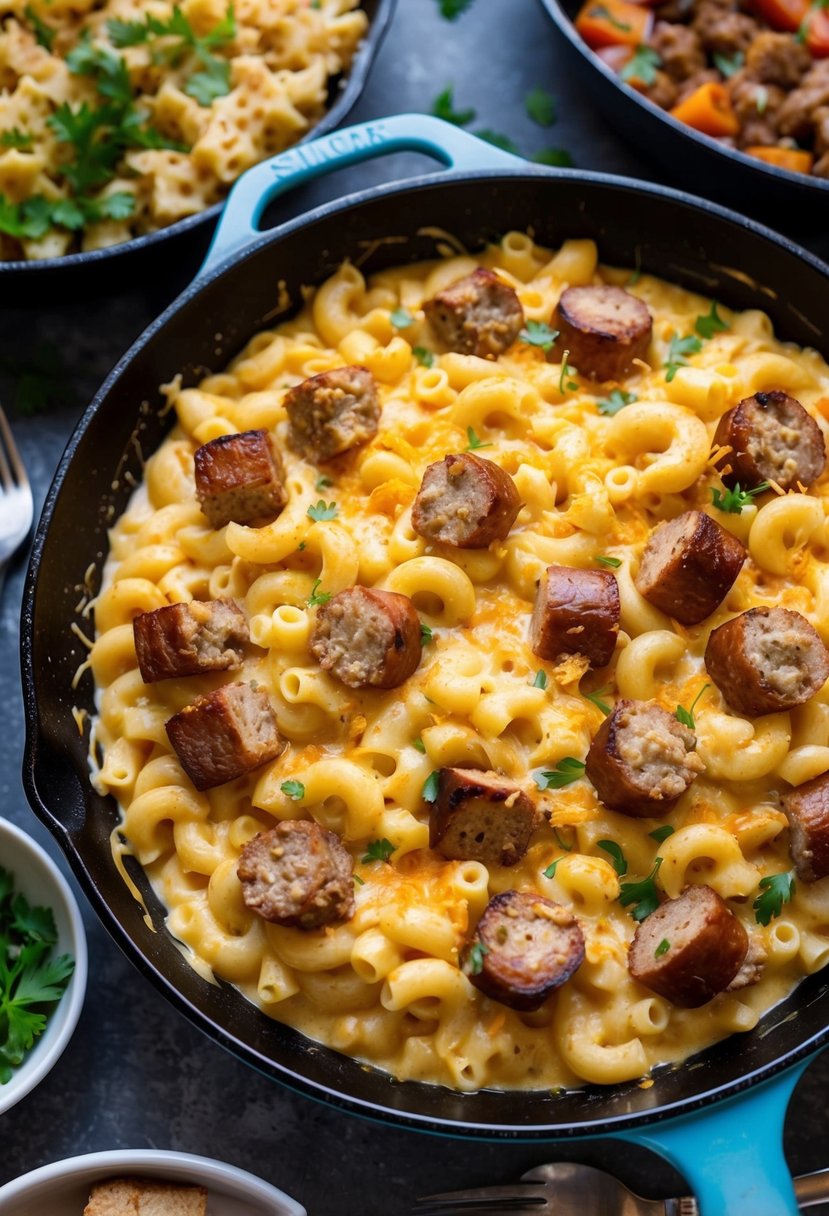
[444, 107]
[430, 787]
[562, 844]
[419, 746]
[213, 78]
[550, 872]
[426, 635]
[16, 139]
[323, 482]
[729, 66]
[662, 834]
[450, 10]
[538, 333]
[617, 857]
[775, 890]
[678, 351]
[616, 400]
[686, 716]
[663, 948]
[474, 443]
[318, 597]
[733, 501]
[643, 895]
[401, 318]
[475, 958]
[595, 699]
[44, 34]
[613, 562]
[424, 357]
[319, 511]
[361, 882]
[565, 772]
[378, 850]
[293, 789]
[712, 323]
[540, 680]
[541, 107]
[643, 65]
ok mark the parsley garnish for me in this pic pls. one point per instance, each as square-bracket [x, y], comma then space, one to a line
[663, 948]
[712, 323]
[559, 158]
[424, 357]
[662, 834]
[733, 501]
[602, 12]
[401, 318]
[293, 789]
[430, 787]
[31, 982]
[616, 400]
[323, 482]
[540, 680]
[320, 511]
[474, 442]
[16, 139]
[426, 635]
[594, 697]
[678, 349]
[565, 772]
[643, 895]
[498, 140]
[450, 10]
[603, 560]
[214, 78]
[729, 66]
[686, 716]
[44, 34]
[419, 745]
[321, 597]
[361, 882]
[775, 890]
[475, 958]
[642, 65]
[444, 107]
[617, 857]
[541, 107]
[550, 872]
[538, 333]
[378, 850]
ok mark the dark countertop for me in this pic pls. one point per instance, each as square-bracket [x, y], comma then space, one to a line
[136, 1073]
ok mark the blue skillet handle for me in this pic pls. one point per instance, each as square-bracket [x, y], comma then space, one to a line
[732, 1154]
[455, 149]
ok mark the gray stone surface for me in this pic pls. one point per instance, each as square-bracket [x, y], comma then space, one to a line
[136, 1073]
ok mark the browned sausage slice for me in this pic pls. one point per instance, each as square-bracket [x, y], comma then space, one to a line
[642, 759]
[297, 874]
[333, 412]
[479, 816]
[465, 501]
[807, 810]
[476, 315]
[772, 438]
[689, 949]
[225, 734]
[688, 567]
[240, 479]
[576, 612]
[751, 971]
[368, 638]
[188, 639]
[525, 946]
[603, 328]
[766, 660]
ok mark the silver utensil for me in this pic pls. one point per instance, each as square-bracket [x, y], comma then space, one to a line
[567, 1189]
[16, 508]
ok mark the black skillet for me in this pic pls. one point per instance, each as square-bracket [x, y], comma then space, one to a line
[794, 202]
[730, 1151]
[184, 243]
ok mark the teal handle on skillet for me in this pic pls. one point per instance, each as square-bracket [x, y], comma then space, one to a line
[732, 1153]
[455, 149]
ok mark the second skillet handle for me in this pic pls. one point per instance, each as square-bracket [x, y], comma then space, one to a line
[455, 149]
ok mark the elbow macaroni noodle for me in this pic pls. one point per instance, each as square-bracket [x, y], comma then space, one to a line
[386, 986]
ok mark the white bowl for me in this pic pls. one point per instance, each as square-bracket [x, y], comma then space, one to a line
[37, 877]
[62, 1189]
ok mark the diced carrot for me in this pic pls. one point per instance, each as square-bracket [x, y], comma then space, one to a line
[782, 14]
[708, 109]
[817, 33]
[613, 22]
[793, 159]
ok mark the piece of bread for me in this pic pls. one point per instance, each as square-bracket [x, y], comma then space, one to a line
[141, 1197]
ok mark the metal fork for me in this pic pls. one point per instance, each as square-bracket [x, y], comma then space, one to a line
[16, 508]
[567, 1189]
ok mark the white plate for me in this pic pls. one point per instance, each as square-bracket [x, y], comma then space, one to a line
[62, 1189]
[37, 877]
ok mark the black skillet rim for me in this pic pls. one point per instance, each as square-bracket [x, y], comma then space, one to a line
[353, 1103]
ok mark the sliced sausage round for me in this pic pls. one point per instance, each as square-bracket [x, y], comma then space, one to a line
[807, 810]
[368, 638]
[240, 479]
[525, 946]
[771, 438]
[642, 759]
[688, 567]
[476, 315]
[465, 501]
[576, 612]
[604, 328]
[297, 874]
[766, 660]
[479, 816]
[332, 412]
[689, 949]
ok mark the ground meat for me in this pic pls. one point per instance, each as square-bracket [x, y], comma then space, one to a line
[674, 10]
[576, 612]
[368, 638]
[479, 816]
[771, 438]
[689, 949]
[662, 92]
[807, 810]
[465, 501]
[603, 329]
[188, 639]
[766, 660]
[723, 31]
[240, 479]
[297, 874]
[797, 113]
[476, 315]
[688, 567]
[679, 48]
[222, 735]
[332, 413]
[756, 106]
[642, 759]
[821, 117]
[777, 59]
[525, 946]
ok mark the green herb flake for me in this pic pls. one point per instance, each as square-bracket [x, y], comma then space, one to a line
[775, 890]
[613, 562]
[565, 772]
[733, 501]
[473, 442]
[550, 872]
[663, 948]
[44, 34]
[16, 139]
[450, 10]
[728, 66]
[540, 680]
[643, 65]
[678, 351]
[319, 511]
[401, 318]
[424, 357]
[378, 850]
[710, 324]
[643, 895]
[603, 13]
[595, 699]
[430, 787]
[557, 158]
[617, 857]
[323, 482]
[686, 716]
[419, 746]
[212, 80]
[317, 598]
[538, 333]
[293, 789]
[562, 844]
[541, 107]
[565, 385]
[444, 107]
[616, 400]
[661, 834]
[361, 882]
[426, 635]
[475, 958]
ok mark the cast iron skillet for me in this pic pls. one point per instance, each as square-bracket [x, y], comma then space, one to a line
[691, 243]
[794, 202]
[101, 270]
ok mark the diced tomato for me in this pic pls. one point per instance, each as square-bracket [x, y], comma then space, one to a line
[603, 23]
[817, 33]
[793, 159]
[785, 15]
[708, 109]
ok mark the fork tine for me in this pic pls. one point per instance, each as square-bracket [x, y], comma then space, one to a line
[519, 1197]
[11, 466]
